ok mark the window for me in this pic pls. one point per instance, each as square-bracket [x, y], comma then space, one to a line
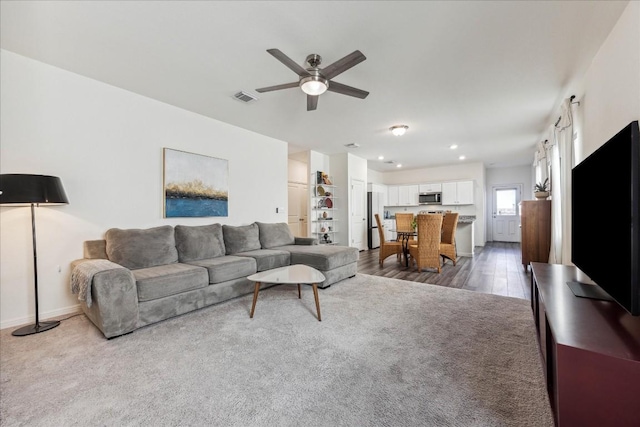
[506, 201]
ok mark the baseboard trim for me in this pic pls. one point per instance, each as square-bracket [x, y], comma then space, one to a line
[11, 323]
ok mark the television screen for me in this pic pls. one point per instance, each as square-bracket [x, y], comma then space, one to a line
[605, 223]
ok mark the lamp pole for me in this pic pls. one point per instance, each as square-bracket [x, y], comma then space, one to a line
[37, 326]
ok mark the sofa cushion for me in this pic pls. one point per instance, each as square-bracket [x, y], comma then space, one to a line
[134, 248]
[276, 234]
[322, 257]
[199, 242]
[227, 268]
[267, 259]
[241, 238]
[95, 249]
[165, 280]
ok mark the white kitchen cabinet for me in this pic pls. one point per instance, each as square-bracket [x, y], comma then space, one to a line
[408, 195]
[403, 195]
[457, 193]
[434, 187]
[392, 195]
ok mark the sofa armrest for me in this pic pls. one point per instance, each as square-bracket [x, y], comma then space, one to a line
[305, 241]
[114, 307]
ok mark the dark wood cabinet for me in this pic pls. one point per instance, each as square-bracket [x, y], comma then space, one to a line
[590, 351]
[535, 222]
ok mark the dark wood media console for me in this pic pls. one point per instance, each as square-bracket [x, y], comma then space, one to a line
[590, 351]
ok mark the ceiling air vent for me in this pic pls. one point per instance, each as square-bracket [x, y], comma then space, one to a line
[245, 96]
[352, 145]
[389, 162]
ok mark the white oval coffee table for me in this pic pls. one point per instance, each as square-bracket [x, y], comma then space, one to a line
[292, 275]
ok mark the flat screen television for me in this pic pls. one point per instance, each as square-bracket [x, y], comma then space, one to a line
[605, 218]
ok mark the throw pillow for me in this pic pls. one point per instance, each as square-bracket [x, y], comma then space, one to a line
[199, 242]
[134, 248]
[277, 234]
[241, 238]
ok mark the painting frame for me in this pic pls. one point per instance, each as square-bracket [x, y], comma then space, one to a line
[194, 185]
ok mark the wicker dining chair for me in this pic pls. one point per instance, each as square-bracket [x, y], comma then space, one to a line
[387, 248]
[426, 253]
[448, 241]
[404, 221]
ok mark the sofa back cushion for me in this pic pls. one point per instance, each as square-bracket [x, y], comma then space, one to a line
[241, 238]
[135, 248]
[199, 242]
[275, 234]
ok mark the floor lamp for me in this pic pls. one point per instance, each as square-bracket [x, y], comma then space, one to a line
[23, 189]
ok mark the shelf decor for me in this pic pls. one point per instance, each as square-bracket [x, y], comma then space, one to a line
[195, 185]
[324, 205]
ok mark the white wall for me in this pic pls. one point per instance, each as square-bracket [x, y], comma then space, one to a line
[298, 172]
[610, 93]
[345, 168]
[106, 145]
[375, 177]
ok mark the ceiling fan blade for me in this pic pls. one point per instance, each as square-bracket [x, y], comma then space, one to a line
[343, 64]
[278, 87]
[312, 102]
[347, 90]
[295, 67]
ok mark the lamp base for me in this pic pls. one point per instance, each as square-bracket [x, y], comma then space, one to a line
[36, 328]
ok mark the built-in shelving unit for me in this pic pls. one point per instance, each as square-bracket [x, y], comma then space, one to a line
[323, 218]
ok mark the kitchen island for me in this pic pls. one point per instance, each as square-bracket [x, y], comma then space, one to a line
[465, 235]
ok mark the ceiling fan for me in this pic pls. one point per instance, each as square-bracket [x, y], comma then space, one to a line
[314, 80]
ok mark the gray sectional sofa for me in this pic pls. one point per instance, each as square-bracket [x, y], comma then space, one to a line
[136, 277]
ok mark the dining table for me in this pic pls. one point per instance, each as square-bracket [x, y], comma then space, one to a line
[404, 235]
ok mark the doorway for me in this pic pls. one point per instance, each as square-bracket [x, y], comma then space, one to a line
[298, 209]
[505, 226]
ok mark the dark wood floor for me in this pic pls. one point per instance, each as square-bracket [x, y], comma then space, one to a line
[496, 268]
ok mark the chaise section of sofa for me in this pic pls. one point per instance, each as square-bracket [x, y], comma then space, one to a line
[156, 273]
[334, 262]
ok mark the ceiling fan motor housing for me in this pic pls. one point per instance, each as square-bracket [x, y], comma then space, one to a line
[314, 60]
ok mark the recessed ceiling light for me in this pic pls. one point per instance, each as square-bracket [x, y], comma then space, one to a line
[399, 165]
[453, 146]
[462, 157]
[398, 130]
[380, 157]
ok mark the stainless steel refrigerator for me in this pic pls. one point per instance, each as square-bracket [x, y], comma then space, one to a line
[375, 205]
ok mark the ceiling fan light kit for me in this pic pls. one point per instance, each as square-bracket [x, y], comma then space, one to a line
[314, 81]
[398, 130]
[314, 85]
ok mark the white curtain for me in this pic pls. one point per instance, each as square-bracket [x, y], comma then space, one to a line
[560, 179]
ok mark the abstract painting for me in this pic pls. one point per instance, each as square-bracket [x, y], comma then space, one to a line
[195, 185]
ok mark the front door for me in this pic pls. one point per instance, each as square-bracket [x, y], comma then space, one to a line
[506, 214]
[358, 215]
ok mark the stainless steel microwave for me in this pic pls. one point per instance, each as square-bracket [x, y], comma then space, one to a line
[430, 198]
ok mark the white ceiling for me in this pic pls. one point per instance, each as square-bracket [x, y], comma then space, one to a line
[488, 76]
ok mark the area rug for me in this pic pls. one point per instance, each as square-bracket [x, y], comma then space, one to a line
[386, 353]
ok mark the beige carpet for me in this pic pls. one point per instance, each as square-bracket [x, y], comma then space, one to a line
[387, 353]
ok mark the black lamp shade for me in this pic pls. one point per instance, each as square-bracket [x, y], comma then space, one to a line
[16, 188]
